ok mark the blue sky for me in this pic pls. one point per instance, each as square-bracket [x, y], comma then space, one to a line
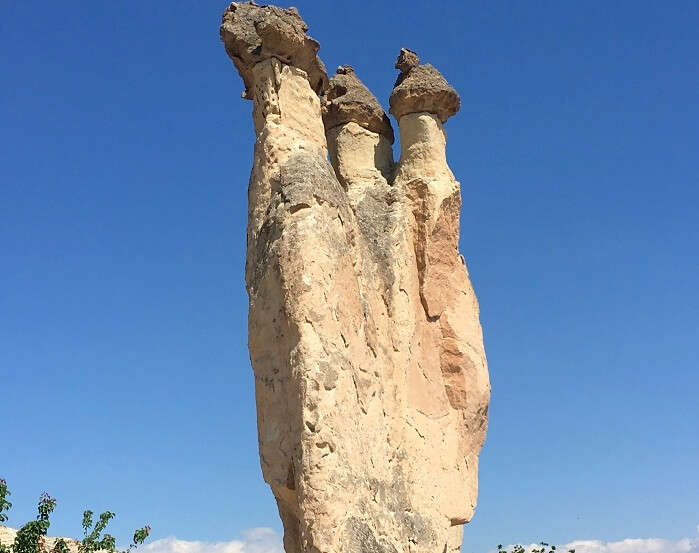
[126, 149]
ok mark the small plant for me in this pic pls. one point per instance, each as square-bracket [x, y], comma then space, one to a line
[4, 503]
[31, 538]
[543, 547]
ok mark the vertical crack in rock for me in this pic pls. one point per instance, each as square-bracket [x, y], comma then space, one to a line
[371, 380]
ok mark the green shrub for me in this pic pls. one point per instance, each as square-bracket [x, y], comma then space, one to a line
[30, 538]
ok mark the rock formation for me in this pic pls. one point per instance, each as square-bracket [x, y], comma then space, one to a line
[371, 378]
[7, 538]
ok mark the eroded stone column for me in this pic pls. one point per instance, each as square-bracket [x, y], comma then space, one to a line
[422, 101]
[370, 377]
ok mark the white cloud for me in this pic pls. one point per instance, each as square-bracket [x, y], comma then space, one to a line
[255, 540]
[635, 545]
[266, 540]
[629, 545]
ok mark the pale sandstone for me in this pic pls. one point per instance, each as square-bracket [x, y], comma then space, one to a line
[371, 379]
[7, 538]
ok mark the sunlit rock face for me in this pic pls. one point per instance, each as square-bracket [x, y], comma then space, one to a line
[371, 378]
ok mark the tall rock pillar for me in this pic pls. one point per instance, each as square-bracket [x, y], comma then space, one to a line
[370, 375]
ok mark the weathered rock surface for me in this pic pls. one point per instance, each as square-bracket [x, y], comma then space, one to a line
[347, 99]
[371, 379]
[7, 538]
[253, 33]
[421, 88]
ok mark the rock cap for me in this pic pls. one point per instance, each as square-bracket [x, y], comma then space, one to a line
[253, 33]
[407, 59]
[421, 88]
[347, 100]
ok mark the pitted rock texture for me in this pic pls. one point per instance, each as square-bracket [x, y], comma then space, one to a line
[371, 379]
[421, 88]
[347, 99]
[253, 33]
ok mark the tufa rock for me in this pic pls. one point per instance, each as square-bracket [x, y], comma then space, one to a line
[253, 33]
[407, 59]
[421, 88]
[8, 535]
[347, 99]
[371, 380]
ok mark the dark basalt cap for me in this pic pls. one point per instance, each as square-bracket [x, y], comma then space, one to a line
[348, 100]
[253, 33]
[421, 88]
